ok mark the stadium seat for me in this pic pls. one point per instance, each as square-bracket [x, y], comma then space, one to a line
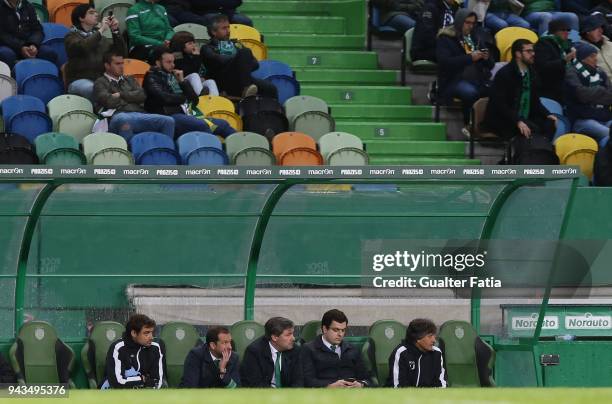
[286, 86]
[102, 4]
[469, 360]
[107, 149]
[249, 149]
[415, 66]
[153, 148]
[201, 148]
[263, 115]
[383, 337]
[72, 114]
[41, 10]
[310, 331]
[120, 10]
[177, 340]
[342, 149]
[552, 106]
[243, 333]
[59, 149]
[136, 68]
[210, 103]
[5, 70]
[200, 32]
[15, 149]
[93, 354]
[54, 38]
[232, 118]
[241, 31]
[563, 123]
[39, 356]
[255, 103]
[296, 149]
[259, 49]
[38, 78]
[479, 133]
[8, 87]
[269, 68]
[505, 38]
[26, 116]
[310, 115]
[60, 11]
[578, 150]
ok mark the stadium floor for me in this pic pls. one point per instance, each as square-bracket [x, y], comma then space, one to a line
[310, 396]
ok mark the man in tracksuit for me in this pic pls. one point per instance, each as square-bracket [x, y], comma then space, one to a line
[135, 361]
[417, 362]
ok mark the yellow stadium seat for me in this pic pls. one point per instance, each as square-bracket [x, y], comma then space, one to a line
[506, 37]
[136, 68]
[259, 49]
[60, 11]
[241, 31]
[209, 103]
[232, 118]
[574, 149]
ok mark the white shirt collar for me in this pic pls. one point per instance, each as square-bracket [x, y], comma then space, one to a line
[214, 358]
[328, 344]
[111, 78]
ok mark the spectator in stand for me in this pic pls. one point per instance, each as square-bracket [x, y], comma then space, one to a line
[211, 8]
[230, 63]
[605, 10]
[212, 364]
[500, 15]
[21, 34]
[187, 58]
[181, 12]
[399, 14]
[589, 94]
[436, 15]
[539, 13]
[147, 27]
[465, 61]
[553, 52]
[168, 93]
[514, 107]
[121, 99]
[579, 7]
[85, 47]
[592, 29]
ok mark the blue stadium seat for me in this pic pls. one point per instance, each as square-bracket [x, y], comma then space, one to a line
[377, 25]
[200, 148]
[26, 116]
[552, 106]
[286, 86]
[54, 38]
[269, 68]
[152, 148]
[38, 78]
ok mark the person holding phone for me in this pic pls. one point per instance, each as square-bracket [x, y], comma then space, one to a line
[86, 45]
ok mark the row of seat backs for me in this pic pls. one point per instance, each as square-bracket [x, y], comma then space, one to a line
[468, 359]
[281, 76]
[15, 149]
[39, 78]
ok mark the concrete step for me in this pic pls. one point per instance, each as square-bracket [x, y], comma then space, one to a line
[325, 59]
[299, 24]
[393, 130]
[316, 41]
[341, 76]
[403, 113]
[350, 95]
[289, 8]
[415, 148]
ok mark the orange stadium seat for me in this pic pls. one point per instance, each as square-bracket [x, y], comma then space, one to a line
[61, 10]
[136, 68]
[296, 149]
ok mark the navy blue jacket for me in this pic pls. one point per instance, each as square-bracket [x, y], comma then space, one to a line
[18, 31]
[257, 366]
[200, 370]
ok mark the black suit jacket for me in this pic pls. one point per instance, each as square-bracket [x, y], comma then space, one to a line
[257, 366]
[322, 367]
[201, 371]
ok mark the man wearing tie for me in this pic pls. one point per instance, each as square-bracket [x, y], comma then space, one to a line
[272, 360]
[329, 361]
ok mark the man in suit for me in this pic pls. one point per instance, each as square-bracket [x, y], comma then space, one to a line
[212, 364]
[329, 361]
[272, 360]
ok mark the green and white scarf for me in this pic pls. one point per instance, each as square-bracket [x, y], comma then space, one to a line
[525, 99]
[592, 79]
[564, 46]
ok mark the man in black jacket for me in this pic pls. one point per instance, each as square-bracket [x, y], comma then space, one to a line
[181, 12]
[212, 364]
[329, 361]
[417, 362]
[514, 105]
[135, 361]
[211, 8]
[272, 360]
[230, 63]
[436, 15]
[553, 52]
[21, 34]
[168, 93]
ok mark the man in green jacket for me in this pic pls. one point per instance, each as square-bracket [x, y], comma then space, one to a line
[147, 26]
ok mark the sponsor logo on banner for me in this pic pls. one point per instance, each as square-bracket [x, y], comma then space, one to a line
[530, 322]
[587, 321]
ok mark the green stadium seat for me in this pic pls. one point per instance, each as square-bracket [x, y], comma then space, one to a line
[93, 354]
[310, 330]
[72, 114]
[199, 32]
[39, 356]
[58, 149]
[107, 149]
[469, 360]
[41, 10]
[243, 333]
[177, 339]
[383, 337]
[249, 149]
[342, 149]
[309, 115]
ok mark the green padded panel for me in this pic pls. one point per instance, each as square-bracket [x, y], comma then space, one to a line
[386, 334]
[243, 333]
[310, 330]
[39, 359]
[178, 338]
[459, 340]
[103, 335]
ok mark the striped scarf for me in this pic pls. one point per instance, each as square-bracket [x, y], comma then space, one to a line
[591, 79]
[468, 44]
[84, 34]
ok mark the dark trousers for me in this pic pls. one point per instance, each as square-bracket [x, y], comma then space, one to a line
[236, 75]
